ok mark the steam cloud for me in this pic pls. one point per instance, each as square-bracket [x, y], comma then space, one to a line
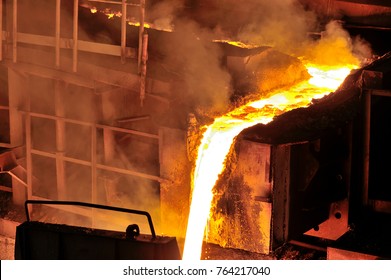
[163, 13]
[285, 25]
[191, 51]
[336, 47]
[282, 24]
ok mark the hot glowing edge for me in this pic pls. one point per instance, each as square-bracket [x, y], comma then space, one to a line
[220, 135]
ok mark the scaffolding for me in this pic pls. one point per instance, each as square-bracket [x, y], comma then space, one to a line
[21, 118]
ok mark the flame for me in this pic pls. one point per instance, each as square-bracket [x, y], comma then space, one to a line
[220, 135]
[137, 24]
[130, 20]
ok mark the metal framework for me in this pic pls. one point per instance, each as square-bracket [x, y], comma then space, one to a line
[75, 45]
[367, 94]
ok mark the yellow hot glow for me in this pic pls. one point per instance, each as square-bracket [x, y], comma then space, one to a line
[236, 44]
[111, 14]
[146, 25]
[220, 135]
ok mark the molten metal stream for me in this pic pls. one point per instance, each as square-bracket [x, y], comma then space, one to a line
[220, 135]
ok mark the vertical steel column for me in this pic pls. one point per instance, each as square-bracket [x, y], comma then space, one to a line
[366, 148]
[328, 8]
[60, 141]
[58, 32]
[93, 163]
[108, 145]
[109, 113]
[141, 32]
[29, 160]
[143, 72]
[123, 31]
[1, 30]
[14, 30]
[75, 34]
[94, 192]
[17, 90]
[109, 153]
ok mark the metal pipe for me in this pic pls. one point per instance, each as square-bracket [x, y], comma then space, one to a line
[133, 119]
[14, 30]
[144, 54]
[135, 132]
[6, 145]
[143, 74]
[381, 92]
[119, 129]
[366, 148]
[123, 32]
[370, 27]
[113, 2]
[60, 141]
[60, 112]
[6, 189]
[29, 160]
[91, 205]
[93, 164]
[75, 34]
[58, 32]
[55, 156]
[130, 172]
[15, 177]
[108, 146]
[141, 32]
[1, 30]
[94, 190]
[101, 166]
[307, 245]
[60, 176]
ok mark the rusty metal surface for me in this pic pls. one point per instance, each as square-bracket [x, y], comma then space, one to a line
[239, 217]
[340, 254]
[381, 206]
[43, 241]
[337, 223]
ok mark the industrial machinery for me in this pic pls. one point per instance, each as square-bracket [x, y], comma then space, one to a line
[108, 105]
[45, 241]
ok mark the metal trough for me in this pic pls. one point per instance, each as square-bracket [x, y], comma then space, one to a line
[46, 241]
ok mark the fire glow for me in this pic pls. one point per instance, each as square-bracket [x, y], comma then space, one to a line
[130, 21]
[219, 136]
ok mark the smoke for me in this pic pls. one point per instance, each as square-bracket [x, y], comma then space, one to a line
[336, 47]
[282, 24]
[285, 25]
[362, 49]
[191, 52]
[163, 13]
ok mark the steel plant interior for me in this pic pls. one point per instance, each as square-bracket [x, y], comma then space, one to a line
[96, 110]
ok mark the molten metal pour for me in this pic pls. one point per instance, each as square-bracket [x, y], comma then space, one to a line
[220, 135]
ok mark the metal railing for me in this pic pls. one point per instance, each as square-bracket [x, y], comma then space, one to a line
[91, 205]
[58, 43]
